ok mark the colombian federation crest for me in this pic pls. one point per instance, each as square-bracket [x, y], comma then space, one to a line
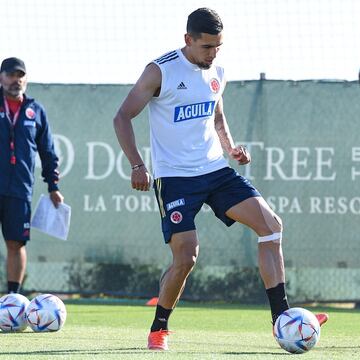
[176, 217]
[30, 113]
[214, 85]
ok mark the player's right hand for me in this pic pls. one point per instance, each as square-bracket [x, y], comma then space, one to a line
[140, 179]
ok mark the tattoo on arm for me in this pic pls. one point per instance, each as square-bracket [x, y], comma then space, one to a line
[222, 129]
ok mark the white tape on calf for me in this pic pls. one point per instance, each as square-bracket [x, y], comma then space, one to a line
[276, 237]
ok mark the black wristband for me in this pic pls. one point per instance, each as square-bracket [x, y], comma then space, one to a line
[137, 167]
[52, 187]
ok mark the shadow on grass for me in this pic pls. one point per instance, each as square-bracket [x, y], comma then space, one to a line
[237, 353]
[128, 351]
[77, 351]
[140, 350]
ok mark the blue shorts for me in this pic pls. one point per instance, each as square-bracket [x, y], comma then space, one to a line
[181, 198]
[15, 215]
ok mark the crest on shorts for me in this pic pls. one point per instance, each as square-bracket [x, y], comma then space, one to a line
[214, 85]
[176, 217]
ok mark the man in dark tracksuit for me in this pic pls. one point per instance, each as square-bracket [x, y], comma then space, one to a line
[24, 130]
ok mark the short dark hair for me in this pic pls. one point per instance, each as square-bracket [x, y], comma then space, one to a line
[204, 20]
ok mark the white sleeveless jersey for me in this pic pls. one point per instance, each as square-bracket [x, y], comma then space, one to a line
[182, 130]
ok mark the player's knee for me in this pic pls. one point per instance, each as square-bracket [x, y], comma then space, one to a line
[189, 263]
[186, 264]
[275, 228]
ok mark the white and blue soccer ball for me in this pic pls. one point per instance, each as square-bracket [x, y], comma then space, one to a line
[297, 330]
[46, 312]
[13, 312]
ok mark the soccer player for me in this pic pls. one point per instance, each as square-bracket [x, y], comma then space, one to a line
[189, 134]
[24, 130]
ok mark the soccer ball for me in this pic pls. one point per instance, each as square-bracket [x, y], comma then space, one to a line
[12, 312]
[297, 330]
[46, 312]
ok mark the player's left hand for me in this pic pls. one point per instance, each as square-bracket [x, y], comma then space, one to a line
[56, 198]
[240, 154]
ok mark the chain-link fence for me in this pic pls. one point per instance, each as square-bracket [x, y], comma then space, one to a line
[303, 137]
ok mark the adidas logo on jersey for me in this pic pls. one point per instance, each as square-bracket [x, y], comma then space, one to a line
[181, 86]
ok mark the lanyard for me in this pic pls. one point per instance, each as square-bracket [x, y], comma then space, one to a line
[12, 122]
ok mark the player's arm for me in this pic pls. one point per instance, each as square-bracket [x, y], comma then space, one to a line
[238, 153]
[139, 96]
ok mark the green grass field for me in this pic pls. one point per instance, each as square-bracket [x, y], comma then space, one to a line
[200, 332]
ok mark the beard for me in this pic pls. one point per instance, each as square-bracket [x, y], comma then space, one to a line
[15, 90]
[203, 66]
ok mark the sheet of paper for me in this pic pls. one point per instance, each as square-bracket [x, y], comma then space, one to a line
[51, 220]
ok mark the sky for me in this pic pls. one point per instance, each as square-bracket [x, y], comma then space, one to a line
[111, 41]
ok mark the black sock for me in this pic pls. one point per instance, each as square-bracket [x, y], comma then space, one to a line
[161, 319]
[13, 287]
[278, 300]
